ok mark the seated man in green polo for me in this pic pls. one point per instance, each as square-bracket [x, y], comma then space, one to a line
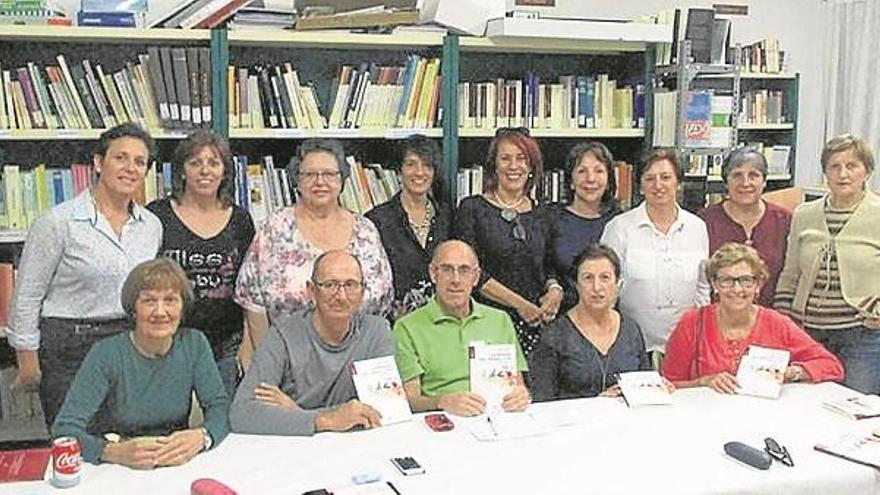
[432, 341]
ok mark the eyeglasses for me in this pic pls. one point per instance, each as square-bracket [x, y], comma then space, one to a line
[777, 452]
[333, 286]
[325, 175]
[508, 131]
[449, 271]
[746, 281]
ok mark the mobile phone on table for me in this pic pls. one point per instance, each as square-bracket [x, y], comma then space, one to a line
[439, 422]
[407, 465]
[320, 491]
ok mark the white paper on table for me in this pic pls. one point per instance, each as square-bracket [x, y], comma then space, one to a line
[762, 371]
[857, 407]
[376, 488]
[378, 384]
[492, 371]
[506, 426]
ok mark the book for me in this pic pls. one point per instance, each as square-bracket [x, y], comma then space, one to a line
[862, 449]
[378, 384]
[856, 407]
[698, 119]
[492, 371]
[644, 388]
[761, 371]
[699, 30]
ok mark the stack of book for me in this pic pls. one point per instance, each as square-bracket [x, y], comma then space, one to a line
[112, 13]
[572, 102]
[31, 12]
[262, 188]
[199, 14]
[257, 16]
[763, 56]
[762, 106]
[167, 87]
[707, 121]
[26, 194]
[363, 96]
[368, 186]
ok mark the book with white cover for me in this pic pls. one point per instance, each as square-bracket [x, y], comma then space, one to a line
[644, 388]
[859, 448]
[378, 384]
[856, 406]
[492, 371]
[762, 371]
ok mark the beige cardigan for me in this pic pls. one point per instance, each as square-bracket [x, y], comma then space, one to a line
[858, 255]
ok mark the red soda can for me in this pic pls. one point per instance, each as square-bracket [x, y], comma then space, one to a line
[66, 462]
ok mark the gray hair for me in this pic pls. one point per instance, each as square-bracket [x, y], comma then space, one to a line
[330, 146]
[741, 156]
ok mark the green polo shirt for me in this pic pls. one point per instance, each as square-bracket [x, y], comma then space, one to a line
[433, 346]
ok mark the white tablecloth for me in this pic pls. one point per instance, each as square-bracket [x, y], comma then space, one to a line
[611, 449]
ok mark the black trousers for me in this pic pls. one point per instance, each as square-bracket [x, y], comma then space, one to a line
[64, 344]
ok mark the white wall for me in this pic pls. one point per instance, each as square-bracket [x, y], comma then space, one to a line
[796, 23]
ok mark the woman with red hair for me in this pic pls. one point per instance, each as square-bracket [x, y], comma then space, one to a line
[507, 231]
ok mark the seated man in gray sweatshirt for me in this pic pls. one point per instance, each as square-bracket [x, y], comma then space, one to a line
[299, 381]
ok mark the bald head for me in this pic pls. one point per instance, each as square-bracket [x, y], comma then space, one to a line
[459, 251]
[338, 259]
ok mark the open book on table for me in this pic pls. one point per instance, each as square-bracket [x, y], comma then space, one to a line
[858, 406]
[861, 449]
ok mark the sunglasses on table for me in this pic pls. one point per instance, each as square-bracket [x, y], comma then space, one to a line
[777, 452]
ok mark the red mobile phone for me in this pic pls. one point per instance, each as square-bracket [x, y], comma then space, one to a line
[439, 422]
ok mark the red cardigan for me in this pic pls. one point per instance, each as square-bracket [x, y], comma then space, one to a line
[685, 360]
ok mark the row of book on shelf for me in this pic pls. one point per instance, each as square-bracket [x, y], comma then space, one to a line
[367, 95]
[554, 186]
[571, 102]
[709, 36]
[778, 157]
[708, 115]
[261, 187]
[167, 87]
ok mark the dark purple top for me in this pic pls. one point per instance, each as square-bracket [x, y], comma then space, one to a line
[769, 238]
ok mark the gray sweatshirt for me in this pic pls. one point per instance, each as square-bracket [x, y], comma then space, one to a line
[315, 374]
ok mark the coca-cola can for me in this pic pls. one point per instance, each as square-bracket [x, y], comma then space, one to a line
[66, 462]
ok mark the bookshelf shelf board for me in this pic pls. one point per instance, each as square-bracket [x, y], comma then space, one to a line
[766, 127]
[100, 34]
[625, 34]
[73, 134]
[560, 133]
[751, 75]
[12, 236]
[548, 45]
[322, 39]
[331, 133]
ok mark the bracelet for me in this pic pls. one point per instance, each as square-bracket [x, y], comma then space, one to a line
[551, 283]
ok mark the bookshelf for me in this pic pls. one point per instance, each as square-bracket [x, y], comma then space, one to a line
[749, 108]
[528, 76]
[103, 78]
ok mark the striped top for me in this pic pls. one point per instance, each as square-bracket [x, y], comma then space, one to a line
[826, 308]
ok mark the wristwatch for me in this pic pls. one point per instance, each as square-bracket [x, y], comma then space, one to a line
[208, 441]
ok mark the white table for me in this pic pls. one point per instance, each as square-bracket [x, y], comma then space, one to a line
[612, 449]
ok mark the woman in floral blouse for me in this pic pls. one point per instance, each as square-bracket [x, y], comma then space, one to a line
[273, 276]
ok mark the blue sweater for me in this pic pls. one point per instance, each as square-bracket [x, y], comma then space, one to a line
[119, 390]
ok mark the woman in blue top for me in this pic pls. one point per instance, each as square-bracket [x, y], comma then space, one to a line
[130, 400]
[572, 227]
[208, 235]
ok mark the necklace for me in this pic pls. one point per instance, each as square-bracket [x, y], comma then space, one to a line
[508, 211]
[423, 228]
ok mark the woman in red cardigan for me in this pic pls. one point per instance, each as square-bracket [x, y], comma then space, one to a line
[708, 343]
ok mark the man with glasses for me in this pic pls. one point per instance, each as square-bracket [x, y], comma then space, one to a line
[433, 341]
[299, 381]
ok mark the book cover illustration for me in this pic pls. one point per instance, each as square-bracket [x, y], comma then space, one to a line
[378, 384]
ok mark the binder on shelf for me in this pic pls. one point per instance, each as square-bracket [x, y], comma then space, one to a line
[181, 79]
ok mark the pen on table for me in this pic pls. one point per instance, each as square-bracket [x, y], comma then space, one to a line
[492, 426]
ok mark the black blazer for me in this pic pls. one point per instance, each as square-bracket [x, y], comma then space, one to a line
[409, 261]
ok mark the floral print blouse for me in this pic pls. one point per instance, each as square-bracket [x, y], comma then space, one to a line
[274, 272]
